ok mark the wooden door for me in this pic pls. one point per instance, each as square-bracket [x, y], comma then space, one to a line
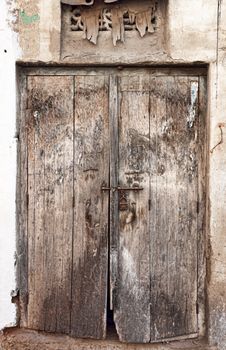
[112, 169]
[161, 138]
[67, 157]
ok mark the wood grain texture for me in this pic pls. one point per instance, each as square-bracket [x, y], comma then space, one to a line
[114, 166]
[91, 172]
[173, 161]
[202, 203]
[143, 128]
[174, 183]
[131, 311]
[22, 204]
[50, 215]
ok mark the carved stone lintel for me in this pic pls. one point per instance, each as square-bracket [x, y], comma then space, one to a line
[90, 20]
[84, 2]
[78, 2]
[117, 19]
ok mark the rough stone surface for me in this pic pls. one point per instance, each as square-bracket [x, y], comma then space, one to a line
[31, 340]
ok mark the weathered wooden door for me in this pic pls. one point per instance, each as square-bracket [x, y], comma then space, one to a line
[112, 168]
[67, 150]
[161, 138]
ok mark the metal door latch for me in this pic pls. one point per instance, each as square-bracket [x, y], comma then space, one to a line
[123, 195]
[123, 201]
[113, 189]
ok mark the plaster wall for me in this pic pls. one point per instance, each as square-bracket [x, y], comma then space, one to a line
[196, 32]
[8, 53]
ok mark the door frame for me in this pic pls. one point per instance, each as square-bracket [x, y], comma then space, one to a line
[22, 198]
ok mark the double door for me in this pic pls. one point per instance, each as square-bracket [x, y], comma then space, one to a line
[112, 181]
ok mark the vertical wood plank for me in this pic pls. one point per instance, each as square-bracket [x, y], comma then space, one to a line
[157, 191]
[114, 166]
[202, 210]
[131, 309]
[91, 172]
[35, 211]
[50, 214]
[22, 203]
[173, 225]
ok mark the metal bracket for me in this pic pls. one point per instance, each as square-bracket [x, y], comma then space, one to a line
[121, 189]
[123, 201]
[123, 195]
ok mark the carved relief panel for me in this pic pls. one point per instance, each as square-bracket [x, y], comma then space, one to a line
[111, 32]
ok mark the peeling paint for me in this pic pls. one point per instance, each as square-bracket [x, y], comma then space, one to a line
[26, 19]
[193, 104]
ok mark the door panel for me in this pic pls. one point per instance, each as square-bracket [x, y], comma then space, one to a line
[173, 214]
[50, 219]
[156, 287]
[68, 162]
[91, 172]
[132, 314]
[117, 154]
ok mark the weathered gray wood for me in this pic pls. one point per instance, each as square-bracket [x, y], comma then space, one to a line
[173, 216]
[114, 166]
[202, 210]
[169, 254]
[97, 70]
[50, 214]
[131, 309]
[90, 243]
[22, 203]
[35, 209]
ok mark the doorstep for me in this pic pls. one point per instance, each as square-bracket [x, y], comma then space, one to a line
[21, 339]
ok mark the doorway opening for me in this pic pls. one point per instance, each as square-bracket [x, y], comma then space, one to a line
[117, 158]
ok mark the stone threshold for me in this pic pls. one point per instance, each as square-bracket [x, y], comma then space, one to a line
[23, 339]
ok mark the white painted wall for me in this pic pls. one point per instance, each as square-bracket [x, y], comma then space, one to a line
[7, 167]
